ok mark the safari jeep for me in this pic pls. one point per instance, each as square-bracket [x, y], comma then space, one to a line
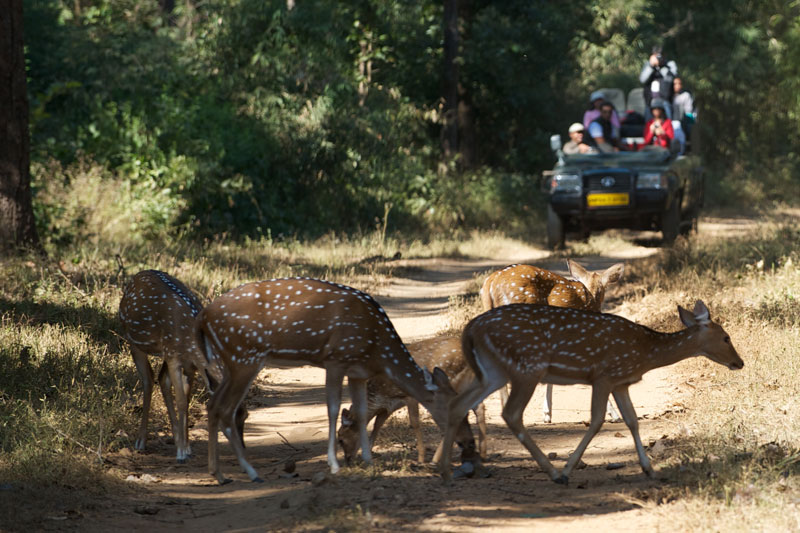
[654, 189]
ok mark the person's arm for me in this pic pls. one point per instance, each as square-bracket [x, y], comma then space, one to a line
[668, 131]
[648, 132]
[673, 68]
[647, 71]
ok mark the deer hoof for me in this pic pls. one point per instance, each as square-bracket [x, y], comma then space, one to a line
[258, 480]
[562, 480]
[224, 480]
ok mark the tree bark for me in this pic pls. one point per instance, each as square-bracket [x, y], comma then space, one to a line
[450, 82]
[17, 225]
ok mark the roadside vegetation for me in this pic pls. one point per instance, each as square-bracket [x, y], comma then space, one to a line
[70, 393]
[230, 141]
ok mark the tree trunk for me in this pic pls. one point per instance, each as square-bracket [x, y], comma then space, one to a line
[17, 227]
[466, 121]
[450, 82]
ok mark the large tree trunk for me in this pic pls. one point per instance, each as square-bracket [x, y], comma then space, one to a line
[450, 82]
[17, 227]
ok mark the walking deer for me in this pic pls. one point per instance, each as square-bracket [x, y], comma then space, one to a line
[303, 321]
[530, 344]
[157, 313]
[526, 284]
[384, 398]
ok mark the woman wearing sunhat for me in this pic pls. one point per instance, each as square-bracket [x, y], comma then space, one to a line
[658, 130]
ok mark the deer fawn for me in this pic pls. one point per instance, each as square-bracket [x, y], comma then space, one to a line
[526, 284]
[302, 321]
[528, 344]
[157, 313]
[384, 398]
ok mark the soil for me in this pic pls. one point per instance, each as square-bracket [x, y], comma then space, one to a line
[286, 437]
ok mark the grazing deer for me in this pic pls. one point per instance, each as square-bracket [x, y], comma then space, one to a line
[302, 321]
[157, 313]
[384, 398]
[528, 344]
[526, 284]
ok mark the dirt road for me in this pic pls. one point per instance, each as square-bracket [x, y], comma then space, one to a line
[288, 424]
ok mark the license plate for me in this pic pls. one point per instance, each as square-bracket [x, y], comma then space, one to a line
[607, 199]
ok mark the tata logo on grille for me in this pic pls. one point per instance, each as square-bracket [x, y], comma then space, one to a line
[608, 181]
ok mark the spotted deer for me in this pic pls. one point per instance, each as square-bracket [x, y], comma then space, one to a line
[526, 284]
[384, 398]
[157, 313]
[303, 321]
[529, 344]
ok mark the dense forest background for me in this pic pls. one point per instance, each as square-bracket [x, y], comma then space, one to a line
[255, 118]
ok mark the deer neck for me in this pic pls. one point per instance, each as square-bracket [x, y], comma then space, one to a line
[671, 348]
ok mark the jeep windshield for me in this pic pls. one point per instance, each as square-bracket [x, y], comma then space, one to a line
[653, 156]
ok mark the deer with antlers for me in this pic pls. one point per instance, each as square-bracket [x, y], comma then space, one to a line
[384, 398]
[526, 284]
[529, 344]
[303, 321]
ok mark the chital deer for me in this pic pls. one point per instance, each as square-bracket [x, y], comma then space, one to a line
[302, 321]
[384, 398]
[157, 313]
[528, 344]
[526, 284]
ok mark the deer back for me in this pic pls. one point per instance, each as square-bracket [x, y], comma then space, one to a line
[565, 346]
[534, 285]
[158, 313]
[304, 321]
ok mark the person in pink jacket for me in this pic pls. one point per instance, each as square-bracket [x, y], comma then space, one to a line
[658, 130]
[596, 100]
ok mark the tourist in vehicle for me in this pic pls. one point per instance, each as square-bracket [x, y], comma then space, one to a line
[602, 131]
[657, 78]
[576, 144]
[682, 106]
[596, 100]
[658, 130]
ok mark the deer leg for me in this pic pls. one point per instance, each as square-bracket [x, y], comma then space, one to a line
[188, 385]
[599, 401]
[165, 384]
[380, 420]
[480, 418]
[612, 411]
[223, 407]
[146, 375]
[547, 408]
[179, 414]
[503, 396]
[333, 395]
[469, 398]
[413, 419]
[358, 392]
[521, 392]
[623, 399]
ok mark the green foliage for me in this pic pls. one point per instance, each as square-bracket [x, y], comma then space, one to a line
[244, 118]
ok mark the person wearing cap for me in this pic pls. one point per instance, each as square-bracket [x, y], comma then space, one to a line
[658, 130]
[596, 100]
[575, 145]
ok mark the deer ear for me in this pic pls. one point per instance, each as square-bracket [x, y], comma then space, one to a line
[701, 313]
[346, 419]
[613, 273]
[441, 381]
[687, 317]
[577, 271]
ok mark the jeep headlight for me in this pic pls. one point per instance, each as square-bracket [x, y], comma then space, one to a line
[651, 180]
[565, 183]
